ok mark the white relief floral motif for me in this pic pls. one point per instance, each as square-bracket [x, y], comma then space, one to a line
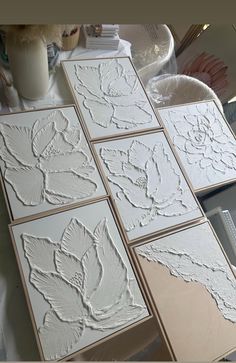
[85, 281]
[202, 137]
[182, 253]
[147, 182]
[47, 162]
[112, 95]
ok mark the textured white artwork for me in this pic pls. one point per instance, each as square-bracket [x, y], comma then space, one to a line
[79, 279]
[147, 184]
[203, 141]
[195, 256]
[45, 161]
[110, 96]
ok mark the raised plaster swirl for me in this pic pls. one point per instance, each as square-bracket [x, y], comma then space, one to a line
[86, 283]
[112, 95]
[206, 146]
[195, 255]
[148, 183]
[48, 162]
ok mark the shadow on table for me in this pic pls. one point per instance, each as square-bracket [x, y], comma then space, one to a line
[15, 321]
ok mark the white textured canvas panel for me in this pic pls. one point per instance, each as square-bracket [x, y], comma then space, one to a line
[147, 184]
[45, 161]
[194, 255]
[110, 96]
[80, 282]
[203, 141]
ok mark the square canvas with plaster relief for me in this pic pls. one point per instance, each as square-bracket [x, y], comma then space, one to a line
[147, 184]
[78, 277]
[200, 299]
[110, 96]
[203, 141]
[45, 161]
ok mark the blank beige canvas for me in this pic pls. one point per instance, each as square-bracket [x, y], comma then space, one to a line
[194, 325]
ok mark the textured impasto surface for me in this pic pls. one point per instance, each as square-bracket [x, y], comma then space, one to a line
[203, 141]
[148, 187]
[195, 256]
[46, 161]
[110, 96]
[80, 282]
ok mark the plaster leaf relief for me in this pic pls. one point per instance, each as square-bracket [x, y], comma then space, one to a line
[206, 146]
[47, 162]
[148, 183]
[85, 282]
[195, 256]
[112, 95]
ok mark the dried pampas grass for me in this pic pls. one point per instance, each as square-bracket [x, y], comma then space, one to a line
[28, 33]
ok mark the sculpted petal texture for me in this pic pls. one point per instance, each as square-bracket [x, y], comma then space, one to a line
[58, 337]
[112, 96]
[49, 161]
[203, 141]
[85, 281]
[147, 182]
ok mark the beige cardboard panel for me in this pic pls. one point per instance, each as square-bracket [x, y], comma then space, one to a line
[195, 327]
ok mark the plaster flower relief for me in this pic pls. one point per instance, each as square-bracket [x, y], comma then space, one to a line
[112, 95]
[85, 282]
[203, 139]
[46, 162]
[195, 256]
[148, 183]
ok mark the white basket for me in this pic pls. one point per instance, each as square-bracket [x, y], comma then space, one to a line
[171, 90]
[164, 56]
[152, 48]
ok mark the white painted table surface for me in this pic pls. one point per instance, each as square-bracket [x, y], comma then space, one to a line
[16, 332]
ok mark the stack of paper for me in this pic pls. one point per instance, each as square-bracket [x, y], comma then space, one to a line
[101, 36]
[225, 229]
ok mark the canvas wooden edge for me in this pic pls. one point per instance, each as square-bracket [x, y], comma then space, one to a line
[83, 123]
[155, 308]
[137, 277]
[144, 90]
[118, 226]
[203, 191]
[60, 209]
[160, 232]
[90, 138]
[183, 104]
[123, 134]
[199, 191]
[55, 209]
[37, 109]
[224, 355]
[92, 151]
